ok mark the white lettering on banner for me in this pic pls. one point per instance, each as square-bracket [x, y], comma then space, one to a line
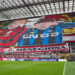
[44, 35]
[38, 48]
[34, 36]
[54, 34]
[44, 48]
[41, 35]
[26, 36]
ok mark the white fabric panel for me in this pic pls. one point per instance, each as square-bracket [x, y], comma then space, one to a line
[68, 38]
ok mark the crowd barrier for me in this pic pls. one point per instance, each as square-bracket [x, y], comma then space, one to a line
[62, 60]
[14, 59]
[21, 59]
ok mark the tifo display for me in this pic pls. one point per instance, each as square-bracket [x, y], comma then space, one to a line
[49, 37]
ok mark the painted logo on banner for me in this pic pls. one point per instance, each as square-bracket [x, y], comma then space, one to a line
[45, 30]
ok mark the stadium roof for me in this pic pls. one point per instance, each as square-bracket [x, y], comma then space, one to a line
[17, 9]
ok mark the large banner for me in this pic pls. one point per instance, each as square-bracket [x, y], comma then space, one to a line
[70, 30]
[45, 30]
[45, 48]
[69, 34]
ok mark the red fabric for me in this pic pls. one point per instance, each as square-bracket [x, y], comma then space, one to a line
[13, 40]
[41, 51]
[69, 35]
[70, 41]
[38, 46]
[3, 30]
[11, 34]
[1, 59]
[56, 17]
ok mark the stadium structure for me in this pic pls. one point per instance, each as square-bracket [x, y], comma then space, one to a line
[37, 30]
